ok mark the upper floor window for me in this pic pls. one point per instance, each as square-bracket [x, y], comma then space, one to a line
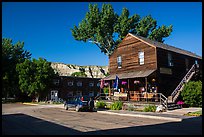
[170, 60]
[141, 57]
[56, 81]
[70, 83]
[91, 84]
[119, 61]
[196, 61]
[187, 64]
[79, 84]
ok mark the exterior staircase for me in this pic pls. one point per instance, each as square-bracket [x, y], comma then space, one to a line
[171, 100]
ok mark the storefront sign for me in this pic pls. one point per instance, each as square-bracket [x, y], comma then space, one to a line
[118, 94]
[166, 71]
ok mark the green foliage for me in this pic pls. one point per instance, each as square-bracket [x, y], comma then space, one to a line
[79, 74]
[106, 29]
[100, 104]
[150, 108]
[12, 54]
[35, 76]
[197, 113]
[192, 93]
[106, 90]
[116, 105]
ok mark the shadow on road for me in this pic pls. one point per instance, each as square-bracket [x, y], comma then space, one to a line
[21, 124]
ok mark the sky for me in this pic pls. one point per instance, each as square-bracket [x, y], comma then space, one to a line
[45, 27]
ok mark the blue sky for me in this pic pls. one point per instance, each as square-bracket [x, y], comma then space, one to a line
[45, 27]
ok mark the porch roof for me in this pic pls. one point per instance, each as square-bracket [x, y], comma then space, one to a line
[135, 74]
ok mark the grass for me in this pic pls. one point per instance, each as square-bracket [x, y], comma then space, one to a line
[197, 113]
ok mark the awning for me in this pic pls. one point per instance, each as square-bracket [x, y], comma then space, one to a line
[135, 74]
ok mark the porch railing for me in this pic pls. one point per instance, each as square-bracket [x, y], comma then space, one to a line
[138, 97]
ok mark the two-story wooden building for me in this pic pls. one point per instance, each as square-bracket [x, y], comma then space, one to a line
[147, 65]
[69, 86]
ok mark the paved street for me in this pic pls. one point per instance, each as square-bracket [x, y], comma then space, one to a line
[19, 119]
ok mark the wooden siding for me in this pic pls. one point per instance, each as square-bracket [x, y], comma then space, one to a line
[166, 82]
[128, 49]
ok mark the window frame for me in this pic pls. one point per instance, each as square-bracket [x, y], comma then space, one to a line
[91, 84]
[68, 83]
[79, 84]
[119, 61]
[170, 59]
[141, 58]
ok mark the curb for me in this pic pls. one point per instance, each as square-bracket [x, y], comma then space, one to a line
[142, 116]
[30, 104]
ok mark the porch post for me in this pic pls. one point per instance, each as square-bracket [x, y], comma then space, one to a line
[128, 92]
[109, 89]
[146, 84]
[128, 84]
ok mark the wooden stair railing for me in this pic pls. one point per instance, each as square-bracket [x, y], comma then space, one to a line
[180, 86]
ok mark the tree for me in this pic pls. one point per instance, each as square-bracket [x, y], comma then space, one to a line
[192, 93]
[35, 77]
[79, 74]
[106, 28]
[12, 54]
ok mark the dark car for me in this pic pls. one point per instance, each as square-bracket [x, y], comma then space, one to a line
[77, 103]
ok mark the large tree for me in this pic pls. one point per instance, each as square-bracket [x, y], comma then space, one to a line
[35, 77]
[12, 54]
[106, 28]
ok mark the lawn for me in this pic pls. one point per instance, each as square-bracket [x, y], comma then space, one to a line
[197, 113]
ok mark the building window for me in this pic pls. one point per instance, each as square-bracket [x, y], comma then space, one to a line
[91, 94]
[98, 84]
[119, 61]
[196, 61]
[141, 57]
[170, 60]
[56, 81]
[91, 84]
[70, 94]
[187, 64]
[79, 93]
[70, 83]
[79, 84]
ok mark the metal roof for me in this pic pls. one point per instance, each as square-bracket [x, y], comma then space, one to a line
[135, 74]
[167, 47]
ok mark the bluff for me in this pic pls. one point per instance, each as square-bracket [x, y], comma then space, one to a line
[91, 71]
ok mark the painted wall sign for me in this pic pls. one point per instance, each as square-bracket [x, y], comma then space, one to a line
[166, 71]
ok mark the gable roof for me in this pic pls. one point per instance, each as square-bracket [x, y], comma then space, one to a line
[165, 46]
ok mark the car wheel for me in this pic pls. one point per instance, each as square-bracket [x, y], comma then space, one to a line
[66, 107]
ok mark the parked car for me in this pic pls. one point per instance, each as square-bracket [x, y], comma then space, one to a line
[77, 103]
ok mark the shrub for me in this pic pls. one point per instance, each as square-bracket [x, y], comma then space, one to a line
[192, 93]
[116, 105]
[197, 113]
[100, 104]
[106, 90]
[150, 108]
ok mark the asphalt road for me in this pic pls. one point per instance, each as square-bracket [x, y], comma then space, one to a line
[19, 119]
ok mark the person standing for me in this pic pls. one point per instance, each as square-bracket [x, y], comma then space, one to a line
[91, 104]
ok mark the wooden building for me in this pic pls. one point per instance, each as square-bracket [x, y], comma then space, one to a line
[68, 86]
[146, 65]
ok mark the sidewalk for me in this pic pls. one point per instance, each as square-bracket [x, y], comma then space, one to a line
[173, 115]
